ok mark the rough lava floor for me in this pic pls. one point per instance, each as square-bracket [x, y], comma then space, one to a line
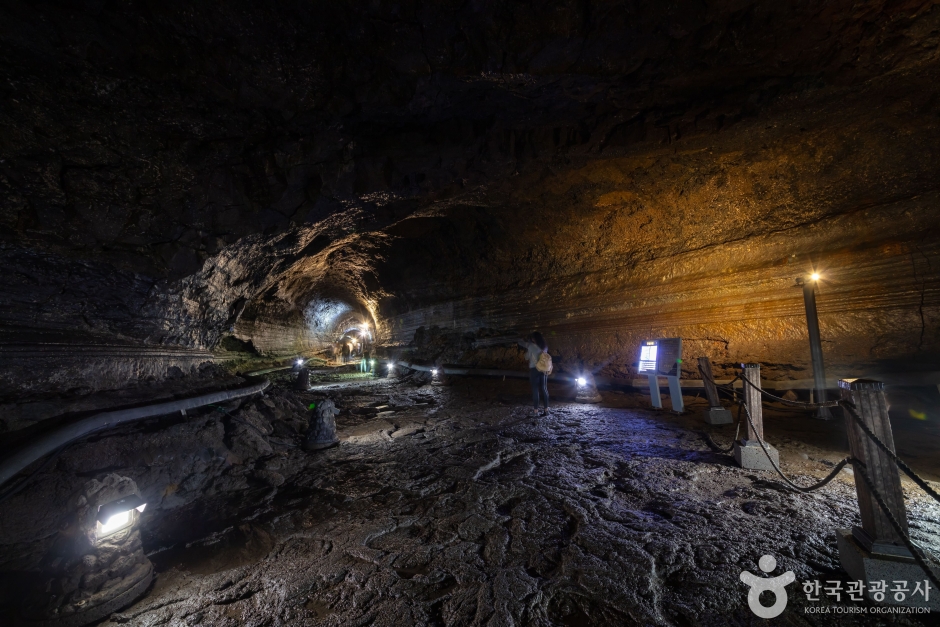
[452, 504]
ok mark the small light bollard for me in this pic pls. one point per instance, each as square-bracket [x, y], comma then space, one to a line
[748, 452]
[321, 433]
[303, 379]
[715, 414]
[97, 564]
[873, 552]
[587, 389]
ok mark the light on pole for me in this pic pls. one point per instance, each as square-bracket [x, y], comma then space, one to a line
[815, 344]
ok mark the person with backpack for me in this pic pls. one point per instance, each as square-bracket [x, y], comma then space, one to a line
[540, 366]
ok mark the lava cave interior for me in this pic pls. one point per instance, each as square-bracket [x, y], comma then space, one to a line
[266, 267]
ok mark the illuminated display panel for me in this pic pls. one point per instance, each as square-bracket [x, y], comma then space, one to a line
[661, 357]
[648, 357]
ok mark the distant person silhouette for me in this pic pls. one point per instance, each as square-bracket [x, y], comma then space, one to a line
[535, 347]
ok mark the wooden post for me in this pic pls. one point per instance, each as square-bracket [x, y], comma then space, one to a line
[876, 534]
[751, 372]
[705, 365]
[748, 452]
[715, 414]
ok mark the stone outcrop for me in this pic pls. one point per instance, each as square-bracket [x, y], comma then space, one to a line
[176, 176]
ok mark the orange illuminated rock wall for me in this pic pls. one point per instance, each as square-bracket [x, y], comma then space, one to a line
[703, 238]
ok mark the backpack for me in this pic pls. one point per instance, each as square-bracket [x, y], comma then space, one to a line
[544, 364]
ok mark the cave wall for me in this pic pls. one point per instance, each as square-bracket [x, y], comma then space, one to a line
[704, 237]
[174, 174]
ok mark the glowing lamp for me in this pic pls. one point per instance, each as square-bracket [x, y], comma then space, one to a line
[372, 363]
[391, 366]
[433, 372]
[117, 515]
[814, 276]
[300, 362]
[582, 382]
[98, 562]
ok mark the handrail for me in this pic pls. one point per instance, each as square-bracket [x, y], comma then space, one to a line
[50, 442]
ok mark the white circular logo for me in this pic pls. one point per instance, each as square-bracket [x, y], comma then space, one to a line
[776, 585]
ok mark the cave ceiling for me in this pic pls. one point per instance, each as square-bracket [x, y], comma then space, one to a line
[172, 173]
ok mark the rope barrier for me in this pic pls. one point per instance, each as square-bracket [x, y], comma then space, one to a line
[860, 469]
[850, 407]
[718, 448]
[789, 402]
[791, 484]
[803, 489]
[915, 550]
[737, 430]
[728, 387]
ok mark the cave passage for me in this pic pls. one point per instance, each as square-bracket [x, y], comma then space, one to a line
[280, 281]
[447, 501]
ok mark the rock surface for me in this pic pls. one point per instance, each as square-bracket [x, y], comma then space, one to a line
[451, 504]
[177, 175]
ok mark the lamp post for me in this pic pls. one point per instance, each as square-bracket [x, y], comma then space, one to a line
[815, 344]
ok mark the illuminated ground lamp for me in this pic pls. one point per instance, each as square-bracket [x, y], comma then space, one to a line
[303, 379]
[117, 515]
[391, 370]
[587, 389]
[321, 432]
[815, 344]
[433, 372]
[96, 565]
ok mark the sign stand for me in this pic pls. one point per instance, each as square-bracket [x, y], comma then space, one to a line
[661, 358]
[675, 394]
[654, 391]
